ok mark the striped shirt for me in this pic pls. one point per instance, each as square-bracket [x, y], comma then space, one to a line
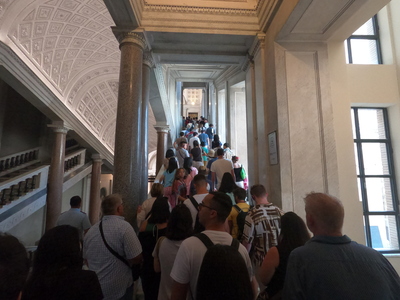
[114, 276]
[261, 229]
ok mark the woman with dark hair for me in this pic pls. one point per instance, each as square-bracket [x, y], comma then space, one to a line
[293, 234]
[190, 171]
[168, 155]
[57, 269]
[195, 153]
[240, 173]
[223, 275]
[216, 143]
[227, 186]
[143, 211]
[179, 228]
[152, 228]
[168, 180]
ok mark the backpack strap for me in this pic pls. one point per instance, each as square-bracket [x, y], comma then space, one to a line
[237, 208]
[205, 239]
[194, 202]
[235, 244]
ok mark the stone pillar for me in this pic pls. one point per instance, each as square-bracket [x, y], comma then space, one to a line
[56, 175]
[127, 156]
[95, 201]
[162, 134]
[147, 65]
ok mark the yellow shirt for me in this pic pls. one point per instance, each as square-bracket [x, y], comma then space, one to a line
[233, 215]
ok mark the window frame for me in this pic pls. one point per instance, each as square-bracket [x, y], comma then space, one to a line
[361, 176]
[375, 37]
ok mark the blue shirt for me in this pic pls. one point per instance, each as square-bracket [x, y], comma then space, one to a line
[203, 138]
[335, 268]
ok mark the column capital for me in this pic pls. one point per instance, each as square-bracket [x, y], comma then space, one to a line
[162, 128]
[97, 158]
[125, 35]
[59, 127]
[148, 59]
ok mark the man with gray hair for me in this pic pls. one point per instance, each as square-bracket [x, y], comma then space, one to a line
[331, 266]
[115, 276]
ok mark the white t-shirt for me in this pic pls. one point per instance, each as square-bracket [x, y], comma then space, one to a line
[193, 210]
[220, 167]
[190, 256]
[195, 138]
[166, 255]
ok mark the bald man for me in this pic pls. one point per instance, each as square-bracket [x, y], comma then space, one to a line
[331, 266]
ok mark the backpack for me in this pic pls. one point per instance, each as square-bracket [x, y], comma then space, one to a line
[240, 220]
[208, 243]
[197, 226]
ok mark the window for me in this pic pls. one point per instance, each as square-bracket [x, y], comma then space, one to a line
[363, 46]
[376, 179]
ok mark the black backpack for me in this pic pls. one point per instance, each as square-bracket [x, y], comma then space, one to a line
[240, 219]
[208, 243]
[197, 226]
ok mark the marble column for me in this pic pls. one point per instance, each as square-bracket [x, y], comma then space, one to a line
[162, 135]
[147, 65]
[127, 155]
[56, 174]
[95, 201]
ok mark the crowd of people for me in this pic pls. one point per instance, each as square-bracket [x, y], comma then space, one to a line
[199, 237]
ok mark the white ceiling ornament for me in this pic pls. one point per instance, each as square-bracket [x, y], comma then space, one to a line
[64, 37]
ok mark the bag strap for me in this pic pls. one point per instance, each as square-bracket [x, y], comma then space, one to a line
[205, 239]
[111, 249]
[194, 202]
[237, 208]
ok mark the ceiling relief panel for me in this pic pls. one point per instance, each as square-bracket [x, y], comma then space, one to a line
[64, 37]
[210, 4]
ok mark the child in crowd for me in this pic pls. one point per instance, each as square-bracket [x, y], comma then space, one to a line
[179, 187]
[204, 150]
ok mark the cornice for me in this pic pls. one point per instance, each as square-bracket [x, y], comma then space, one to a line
[196, 9]
[148, 59]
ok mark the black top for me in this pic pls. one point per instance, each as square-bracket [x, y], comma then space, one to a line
[278, 279]
[237, 174]
[196, 152]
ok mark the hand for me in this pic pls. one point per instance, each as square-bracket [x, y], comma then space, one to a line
[139, 209]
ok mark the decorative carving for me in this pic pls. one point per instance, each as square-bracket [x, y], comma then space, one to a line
[124, 36]
[148, 59]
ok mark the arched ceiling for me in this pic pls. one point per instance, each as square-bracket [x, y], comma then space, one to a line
[70, 44]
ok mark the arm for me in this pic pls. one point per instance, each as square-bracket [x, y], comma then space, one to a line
[233, 174]
[212, 180]
[254, 287]
[269, 265]
[143, 226]
[157, 266]
[246, 245]
[179, 291]
[136, 260]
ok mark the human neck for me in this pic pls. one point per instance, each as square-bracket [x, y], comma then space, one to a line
[215, 227]
[201, 190]
[262, 200]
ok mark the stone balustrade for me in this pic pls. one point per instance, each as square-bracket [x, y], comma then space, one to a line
[74, 160]
[17, 161]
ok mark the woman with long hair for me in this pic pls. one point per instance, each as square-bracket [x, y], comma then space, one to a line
[150, 230]
[240, 173]
[57, 269]
[179, 228]
[195, 153]
[227, 186]
[216, 143]
[168, 180]
[293, 234]
[143, 211]
[168, 155]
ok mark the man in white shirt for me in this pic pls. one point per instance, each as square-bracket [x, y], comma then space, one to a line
[194, 138]
[75, 217]
[220, 167]
[214, 209]
[200, 184]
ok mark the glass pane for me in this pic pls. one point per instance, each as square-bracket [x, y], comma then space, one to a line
[366, 29]
[379, 194]
[372, 125]
[346, 52]
[353, 124]
[359, 189]
[364, 51]
[375, 159]
[384, 232]
[356, 157]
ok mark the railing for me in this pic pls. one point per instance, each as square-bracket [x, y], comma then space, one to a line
[22, 186]
[17, 161]
[74, 160]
